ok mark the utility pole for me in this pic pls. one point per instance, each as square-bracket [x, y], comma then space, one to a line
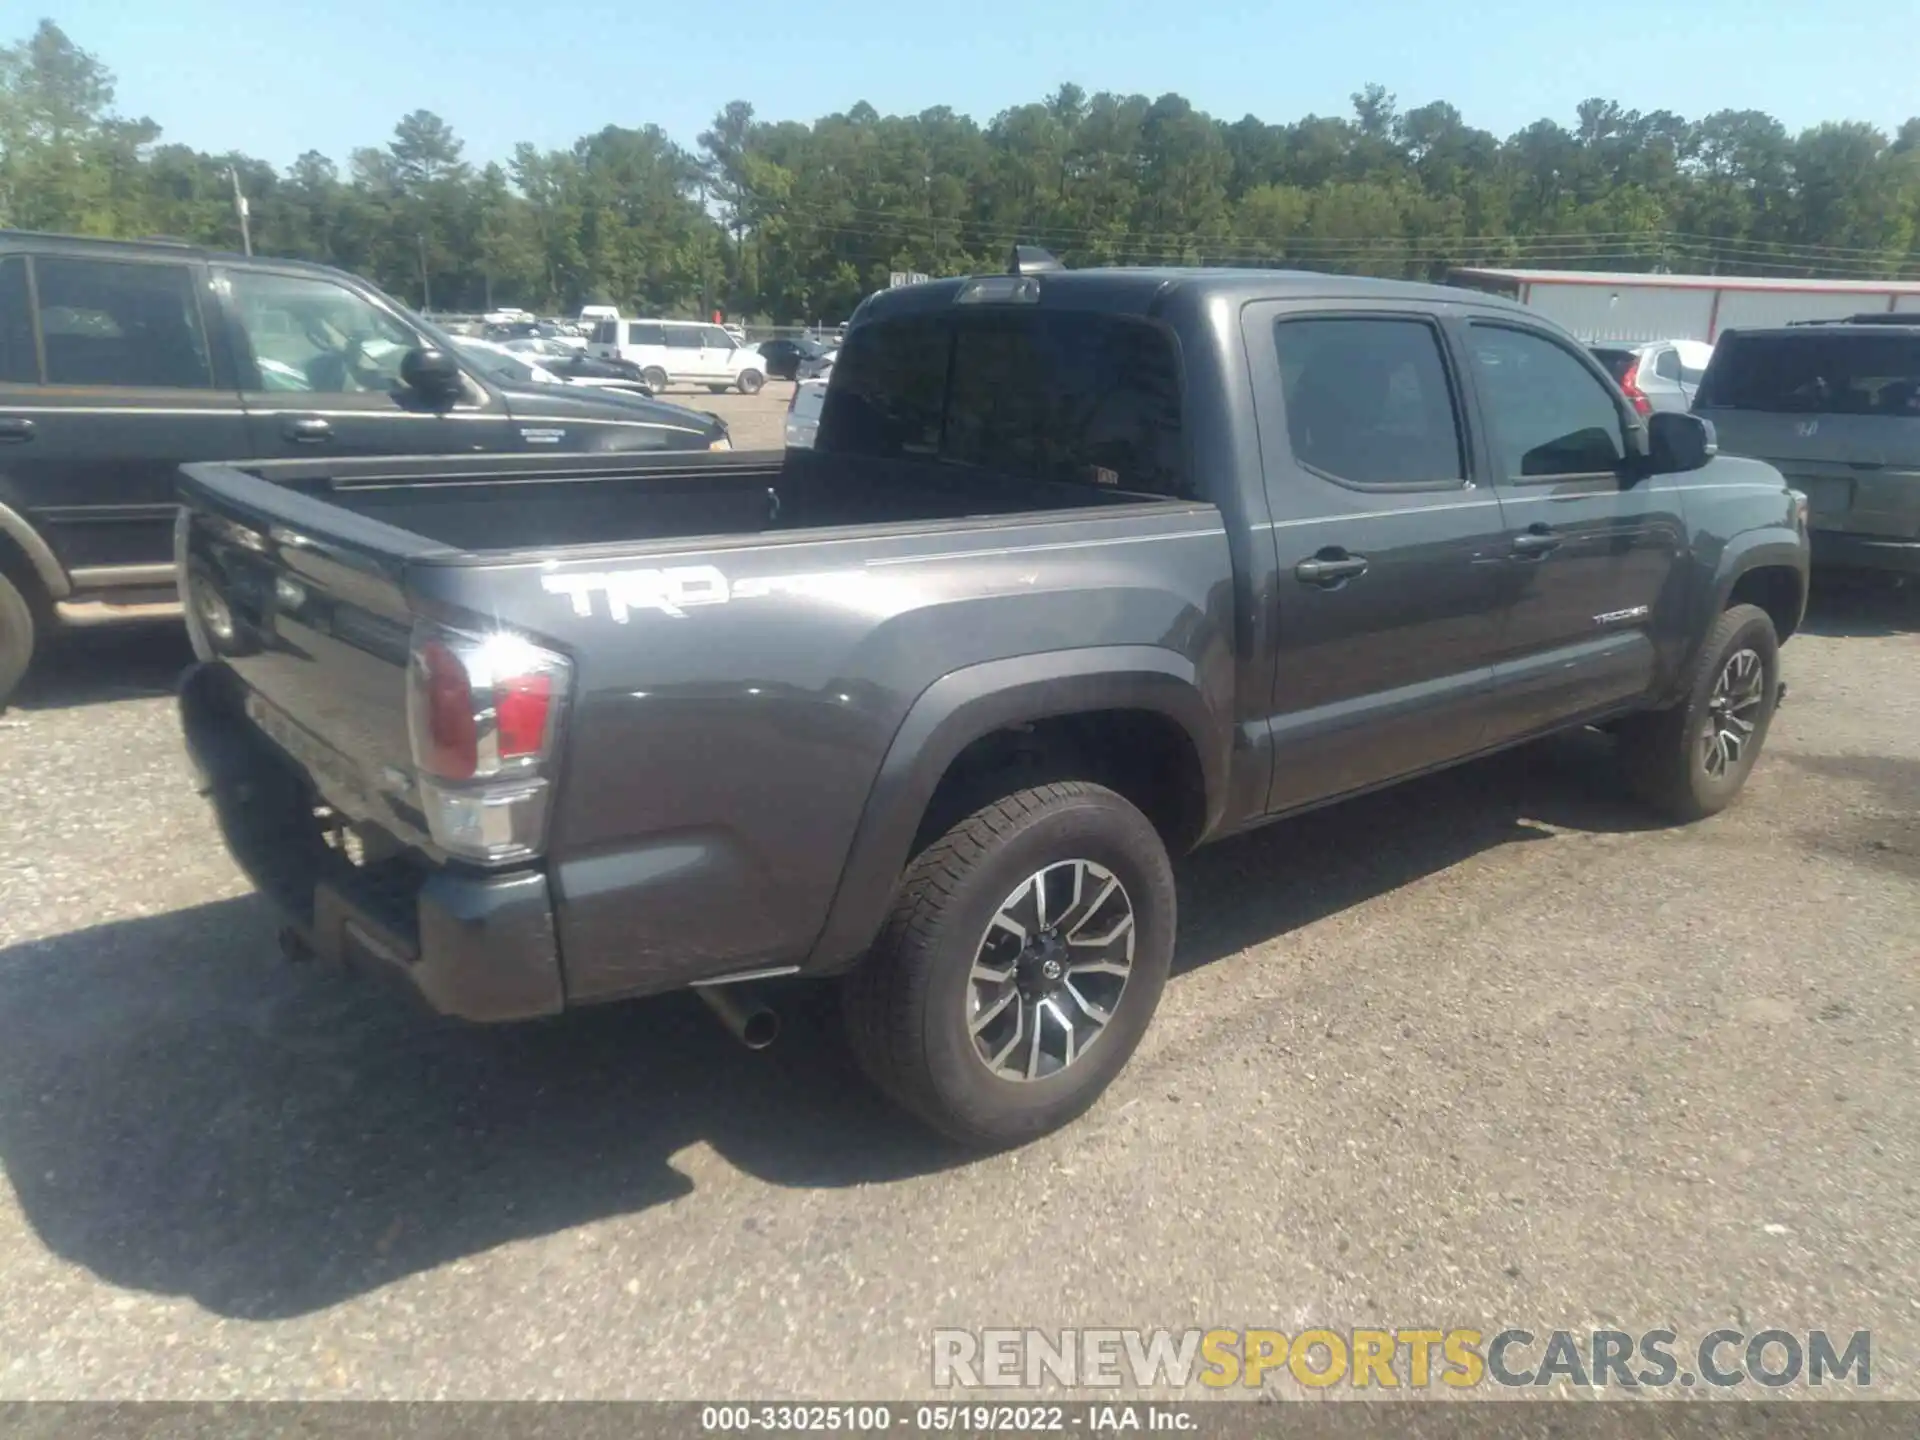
[240, 209]
[426, 292]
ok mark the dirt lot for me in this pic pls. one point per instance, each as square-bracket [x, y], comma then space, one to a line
[756, 422]
[1492, 1049]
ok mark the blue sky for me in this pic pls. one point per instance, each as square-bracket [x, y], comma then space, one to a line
[274, 79]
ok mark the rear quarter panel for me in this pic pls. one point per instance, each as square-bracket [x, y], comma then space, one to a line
[734, 704]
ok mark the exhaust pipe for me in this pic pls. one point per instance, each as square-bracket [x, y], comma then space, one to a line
[753, 1024]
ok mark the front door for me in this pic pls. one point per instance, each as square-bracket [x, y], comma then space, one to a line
[1593, 561]
[716, 354]
[1389, 552]
[123, 390]
[320, 375]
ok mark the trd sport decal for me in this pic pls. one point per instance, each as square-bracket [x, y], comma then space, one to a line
[680, 588]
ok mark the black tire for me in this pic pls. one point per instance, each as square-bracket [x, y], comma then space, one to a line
[17, 631]
[908, 1004]
[1668, 755]
[654, 378]
[750, 382]
[719, 389]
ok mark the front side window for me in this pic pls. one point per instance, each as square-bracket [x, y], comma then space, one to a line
[1550, 414]
[1046, 395]
[18, 363]
[311, 336]
[111, 323]
[1368, 402]
[714, 338]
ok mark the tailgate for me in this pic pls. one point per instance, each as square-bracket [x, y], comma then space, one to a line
[305, 602]
[1860, 473]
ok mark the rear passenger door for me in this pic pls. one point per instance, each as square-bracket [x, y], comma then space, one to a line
[684, 353]
[1592, 570]
[1389, 552]
[120, 381]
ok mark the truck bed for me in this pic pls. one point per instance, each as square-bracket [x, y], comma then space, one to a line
[494, 505]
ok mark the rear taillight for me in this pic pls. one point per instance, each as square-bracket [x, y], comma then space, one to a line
[1630, 384]
[483, 714]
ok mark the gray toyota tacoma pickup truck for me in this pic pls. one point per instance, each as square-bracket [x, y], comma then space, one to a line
[1087, 568]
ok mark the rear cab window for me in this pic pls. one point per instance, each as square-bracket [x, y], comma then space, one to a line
[1815, 373]
[1052, 395]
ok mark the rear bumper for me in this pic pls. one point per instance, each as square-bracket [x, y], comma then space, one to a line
[471, 945]
[1836, 550]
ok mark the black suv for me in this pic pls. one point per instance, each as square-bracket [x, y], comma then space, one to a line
[121, 360]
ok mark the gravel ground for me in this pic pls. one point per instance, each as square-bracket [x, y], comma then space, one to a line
[755, 422]
[1491, 1049]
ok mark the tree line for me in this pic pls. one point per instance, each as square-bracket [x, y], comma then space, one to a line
[788, 221]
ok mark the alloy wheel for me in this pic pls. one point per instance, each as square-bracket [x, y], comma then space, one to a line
[1050, 970]
[1733, 712]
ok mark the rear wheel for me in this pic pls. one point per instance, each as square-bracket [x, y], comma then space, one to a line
[750, 382]
[654, 378]
[16, 637]
[1690, 761]
[1022, 962]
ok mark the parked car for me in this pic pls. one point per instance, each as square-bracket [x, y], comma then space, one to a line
[1662, 375]
[501, 332]
[1086, 568]
[785, 356]
[803, 412]
[140, 356]
[518, 367]
[818, 367]
[1836, 407]
[681, 351]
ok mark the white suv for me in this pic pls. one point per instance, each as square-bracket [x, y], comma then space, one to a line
[681, 351]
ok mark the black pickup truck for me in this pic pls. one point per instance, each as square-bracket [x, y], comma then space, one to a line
[1087, 568]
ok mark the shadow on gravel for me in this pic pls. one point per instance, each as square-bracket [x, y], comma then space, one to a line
[183, 1112]
[88, 667]
[1847, 606]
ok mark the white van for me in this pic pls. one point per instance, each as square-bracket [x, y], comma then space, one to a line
[591, 315]
[681, 352]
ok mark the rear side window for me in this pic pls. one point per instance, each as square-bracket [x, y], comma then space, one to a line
[683, 337]
[1368, 402]
[108, 323]
[1046, 395]
[645, 335]
[1816, 374]
[18, 364]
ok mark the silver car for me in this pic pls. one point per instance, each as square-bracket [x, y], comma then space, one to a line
[1659, 375]
[1836, 409]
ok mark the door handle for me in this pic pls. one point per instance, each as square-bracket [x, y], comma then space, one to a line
[15, 429]
[1330, 568]
[306, 429]
[1538, 541]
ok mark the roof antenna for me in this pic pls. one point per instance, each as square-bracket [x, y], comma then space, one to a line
[1031, 260]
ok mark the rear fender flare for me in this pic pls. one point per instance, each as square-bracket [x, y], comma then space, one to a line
[39, 555]
[967, 704]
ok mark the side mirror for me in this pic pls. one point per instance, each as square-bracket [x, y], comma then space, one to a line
[432, 372]
[1678, 442]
